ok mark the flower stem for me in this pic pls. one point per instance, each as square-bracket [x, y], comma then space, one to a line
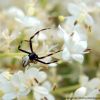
[11, 55]
[66, 89]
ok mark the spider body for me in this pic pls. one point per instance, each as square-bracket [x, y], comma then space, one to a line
[32, 57]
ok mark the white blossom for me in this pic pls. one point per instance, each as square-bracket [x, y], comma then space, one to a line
[74, 47]
[43, 92]
[28, 21]
[80, 14]
[15, 87]
[88, 90]
[22, 83]
[35, 76]
[14, 12]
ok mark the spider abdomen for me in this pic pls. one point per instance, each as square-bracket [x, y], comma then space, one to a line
[32, 56]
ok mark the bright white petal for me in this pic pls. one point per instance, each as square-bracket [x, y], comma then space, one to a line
[4, 77]
[9, 96]
[76, 37]
[50, 97]
[98, 4]
[35, 73]
[42, 37]
[79, 47]
[47, 85]
[42, 76]
[15, 12]
[6, 87]
[37, 96]
[81, 32]
[74, 9]
[93, 94]
[64, 33]
[27, 21]
[52, 65]
[69, 23]
[94, 83]
[66, 54]
[78, 57]
[31, 72]
[18, 78]
[40, 90]
[80, 92]
[89, 20]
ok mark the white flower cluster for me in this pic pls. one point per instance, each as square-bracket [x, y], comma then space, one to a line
[75, 32]
[22, 83]
[18, 15]
[89, 89]
[74, 47]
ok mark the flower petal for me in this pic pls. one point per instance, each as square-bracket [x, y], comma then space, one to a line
[40, 90]
[27, 21]
[93, 94]
[9, 96]
[89, 20]
[80, 92]
[47, 85]
[66, 54]
[64, 33]
[74, 9]
[14, 12]
[91, 84]
[78, 57]
[79, 47]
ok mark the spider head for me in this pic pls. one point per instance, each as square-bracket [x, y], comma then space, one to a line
[25, 61]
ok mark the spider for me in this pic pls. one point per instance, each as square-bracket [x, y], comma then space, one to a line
[32, 57]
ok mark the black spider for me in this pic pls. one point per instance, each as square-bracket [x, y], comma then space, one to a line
[32, 57]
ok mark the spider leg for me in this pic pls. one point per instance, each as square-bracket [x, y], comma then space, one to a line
[30, 41]
[49, 54]
[19, 48]
[46, 62]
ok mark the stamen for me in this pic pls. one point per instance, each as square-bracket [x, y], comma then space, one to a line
[43, 68]
[75, 22]
[36, 81]
[90, 29]
[45, 98]
[72, 34]
[54, 87]
[87, 50]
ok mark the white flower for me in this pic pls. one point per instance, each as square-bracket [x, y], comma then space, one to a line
[69, 27]
[9, 36]
[22, 83]
[28, 21]
[5, 76]
[18, 15]
[43, 92]
[80, 13]
[42, 37]
[89, 84]
[52, 65]
[35, 76]
[14, 12]
[82, 93]
[89, 88]
[15, 87]
[74, 47]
